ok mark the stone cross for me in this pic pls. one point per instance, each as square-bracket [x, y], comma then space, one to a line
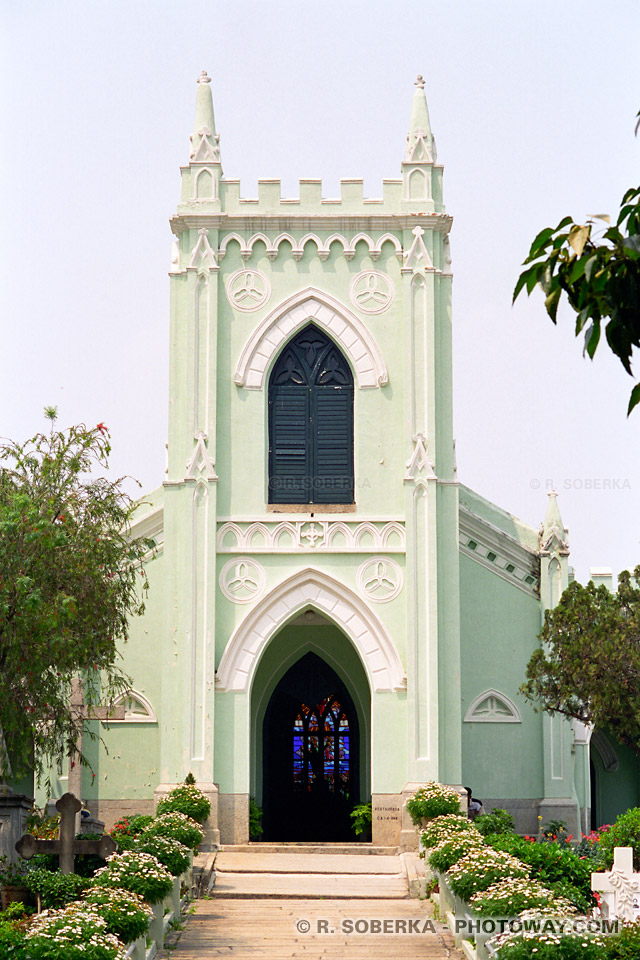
[620, 887]
[80, 713]
[66, 845]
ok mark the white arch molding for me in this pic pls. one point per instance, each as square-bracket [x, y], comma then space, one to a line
[348, 331]
[311, 588]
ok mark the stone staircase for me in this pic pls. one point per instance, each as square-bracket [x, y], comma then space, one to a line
[310, 871]
[313, 902]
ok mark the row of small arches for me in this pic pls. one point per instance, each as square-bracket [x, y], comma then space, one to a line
[323, 247]
[287, 535]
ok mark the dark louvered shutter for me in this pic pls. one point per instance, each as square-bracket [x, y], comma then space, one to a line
[290, 453]
[311, 423]
[333, 444]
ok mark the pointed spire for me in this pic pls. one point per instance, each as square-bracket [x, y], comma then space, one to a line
[554, 535]
[420, 145]
[205, 143]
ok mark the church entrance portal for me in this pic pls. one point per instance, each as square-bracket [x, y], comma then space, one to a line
[311, 756]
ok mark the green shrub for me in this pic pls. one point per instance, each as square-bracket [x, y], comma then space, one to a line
[186, 799]
[432, 800]
[555, 831]
[126, 829]
[126, 914]
[547, 947]
[171, 853]
[589, 847]
[446, 827]
[582, 899]
[56, 889]
[12, 942]
[137, 871]
[75, 933]
[481, 867]
[450, 851]
[626, 944]
[498, 821]
[255, 819]
[16, 911]
[178, 826]
[625, 832]
[361, 817]
[555, 866]
[508, 898]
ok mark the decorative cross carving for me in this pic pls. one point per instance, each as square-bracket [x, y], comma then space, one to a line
[620, 886]
[311, 534]
[66, 845]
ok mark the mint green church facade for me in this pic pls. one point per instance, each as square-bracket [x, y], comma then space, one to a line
[315, 551]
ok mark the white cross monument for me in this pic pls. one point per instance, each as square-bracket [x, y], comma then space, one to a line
[620, 887]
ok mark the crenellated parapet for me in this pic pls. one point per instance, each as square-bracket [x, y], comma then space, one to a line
[398, 197]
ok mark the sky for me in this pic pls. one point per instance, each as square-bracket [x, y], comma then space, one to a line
[533, 107]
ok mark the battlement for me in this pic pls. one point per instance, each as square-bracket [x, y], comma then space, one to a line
[199, 196]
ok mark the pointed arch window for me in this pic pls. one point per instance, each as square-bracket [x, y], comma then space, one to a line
[311, 422]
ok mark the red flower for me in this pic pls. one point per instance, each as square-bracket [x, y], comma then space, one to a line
[101, 427]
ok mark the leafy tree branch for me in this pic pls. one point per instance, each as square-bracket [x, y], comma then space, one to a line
[70, 579]
[588, 666]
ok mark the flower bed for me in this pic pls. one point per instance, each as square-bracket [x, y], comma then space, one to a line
[432, 800]
[172, 854]
[77, 932]
[443, 857]
[126, 914]
[178, 826]
[481, 867]
[510, 896]
[446, 827]
[140, 872]
[186, 799]
[125, 905]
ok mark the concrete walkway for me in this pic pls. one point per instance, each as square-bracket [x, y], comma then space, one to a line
[284, 906]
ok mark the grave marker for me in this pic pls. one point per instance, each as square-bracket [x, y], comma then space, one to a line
[620, 887]
[66, 845]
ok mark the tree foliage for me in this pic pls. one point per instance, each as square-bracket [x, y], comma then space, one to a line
[588, 666]
[70, 579]
[599, 275]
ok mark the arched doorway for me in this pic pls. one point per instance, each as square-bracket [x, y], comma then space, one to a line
[310, 664]
[310, 755]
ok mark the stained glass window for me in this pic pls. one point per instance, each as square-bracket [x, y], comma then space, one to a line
[321, 751]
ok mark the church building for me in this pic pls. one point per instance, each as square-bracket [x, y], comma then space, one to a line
[333, 616]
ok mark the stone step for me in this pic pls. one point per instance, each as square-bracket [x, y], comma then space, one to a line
[230, 860]
[347, 849]
[311, 886]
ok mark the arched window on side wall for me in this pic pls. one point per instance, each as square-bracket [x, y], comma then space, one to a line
[311, 422]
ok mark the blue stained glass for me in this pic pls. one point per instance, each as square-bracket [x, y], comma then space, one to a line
[321, 746]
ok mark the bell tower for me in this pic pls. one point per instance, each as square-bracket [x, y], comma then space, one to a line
[310, 459]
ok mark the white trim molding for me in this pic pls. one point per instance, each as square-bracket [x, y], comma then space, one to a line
[311, 589]
[242, 580]
[499, 709]
[323, 246]
[379, 579]
[348, 331]
[144, 713]
[310, 536]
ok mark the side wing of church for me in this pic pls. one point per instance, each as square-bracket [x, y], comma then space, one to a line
[332, 617]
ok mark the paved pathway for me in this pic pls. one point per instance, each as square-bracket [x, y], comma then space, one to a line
[306, 907]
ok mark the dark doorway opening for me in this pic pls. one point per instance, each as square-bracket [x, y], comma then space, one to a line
[310, 756]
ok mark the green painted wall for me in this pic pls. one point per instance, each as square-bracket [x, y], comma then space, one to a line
[498, 629]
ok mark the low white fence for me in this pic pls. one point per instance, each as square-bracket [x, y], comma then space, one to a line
[147, 946]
